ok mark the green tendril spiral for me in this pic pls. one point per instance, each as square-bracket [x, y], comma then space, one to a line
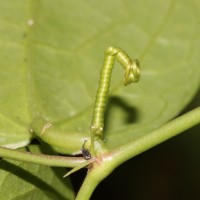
[132, 75]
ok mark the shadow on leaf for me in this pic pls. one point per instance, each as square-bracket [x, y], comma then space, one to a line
[114, 102]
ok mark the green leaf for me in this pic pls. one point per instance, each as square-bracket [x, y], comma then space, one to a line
[52, 52]
[31, 181]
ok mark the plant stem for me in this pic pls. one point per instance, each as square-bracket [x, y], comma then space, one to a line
[62, 141]
[108, 161]
[42, 159]
[157, 136]
[87, 187]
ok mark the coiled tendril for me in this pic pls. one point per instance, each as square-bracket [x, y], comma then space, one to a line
[132, 75]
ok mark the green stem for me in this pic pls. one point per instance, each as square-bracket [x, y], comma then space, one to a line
[108, 161]
[88, 186]
[157, 136]
[48, 160]
[61, 141]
